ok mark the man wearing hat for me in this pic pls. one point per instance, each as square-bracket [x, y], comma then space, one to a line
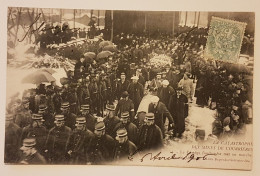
[102, 146]
[122, 85]
[165, 92]
[161, 112]
[124, 147]
[90, 119]
[136, 92]
[110, 120]
[12, 139]
[30, 153]
[47, 116]
[37, 131]
[178, 109]
[23, 117]
[69, 117]
[150, 135]
[131, 128]
[57, 140]
[79, 142]
[125, 104]
[156, 83]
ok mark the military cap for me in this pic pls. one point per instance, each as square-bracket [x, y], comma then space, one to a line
[28, 142]
[149, 116]
[122, 73]
[42, 107]
[65, 105]
[100, 126]
[159, 73]
[80, 121]
[125, 115]
[110, 107]
[58, 118]
[84, 107]
[37, 117]
[121, 132]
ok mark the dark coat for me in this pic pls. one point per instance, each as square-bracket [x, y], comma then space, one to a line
[121, 87]
[136, 93]
[132, 131]
[23, 118]
[70, 120]
[165, 93]
[90, 122]
[125, 106]
[110, 124]
[122, 151]
[36, 158]
[150, 138]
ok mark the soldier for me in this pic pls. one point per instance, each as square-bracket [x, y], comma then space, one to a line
[12, 138]
[122, 85]
[124, 147]
[111, 120]
[85, 97]
[24, 116]
[103, 93]
[57, 140]
[102, 146]
[37, 131]
[131, 128]
[30, 153]
[80, 142]
[70, 118]
[125, 104]
[150, 136]
[57, 99]
[90, 119]
[47, 116]
[136, 92]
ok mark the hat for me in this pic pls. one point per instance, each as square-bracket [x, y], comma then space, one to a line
[80, 120]
[159, 73]
[9, 117]
[58, 118]
[125, 115]
[135, 77]
[165, 82]
[154, 99]
[121, 132]
[125, 94]
[65, 105]
[84, 107]
[149, 116]
[100, 126]
[37, 117]
[28, 142]
[42, 108]
[110, 107]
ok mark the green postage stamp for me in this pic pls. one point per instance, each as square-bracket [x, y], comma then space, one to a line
[224, 39]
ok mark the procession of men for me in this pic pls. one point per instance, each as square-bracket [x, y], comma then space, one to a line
[94, 117]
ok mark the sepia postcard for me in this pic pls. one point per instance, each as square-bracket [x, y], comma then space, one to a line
[108, 87]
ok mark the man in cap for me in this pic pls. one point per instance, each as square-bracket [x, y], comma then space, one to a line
[57, 140]
[124, 147]
[150, 136]
[136, 92]
[122, 85]
[110, 120]
[102, 147]
[125, 104]
[161, 112]
[165, 92]
[70, 118]
[30, 153]
[12, 138]
[90, 119]
[131, 128]
[47, 116]
[79, 142]
[178, 109]
[23, 118]
[37, 131]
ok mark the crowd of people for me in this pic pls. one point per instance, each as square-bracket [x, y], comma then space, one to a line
[94, 119]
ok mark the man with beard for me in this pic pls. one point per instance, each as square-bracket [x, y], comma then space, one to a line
[37, 131]
[160, 112]
[70, 118]
[150, 136]
[122, 85]
[125, 105]
[131, 128]
[57, 140]
[102, 146]
[136, 92]
[111, 120]
[124, 147]
[80, 142]
[24, 116]
[177, 109]
[30, 153]
[12, 138]
[90, 119]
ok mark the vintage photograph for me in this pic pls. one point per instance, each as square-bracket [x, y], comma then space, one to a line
[121, 87]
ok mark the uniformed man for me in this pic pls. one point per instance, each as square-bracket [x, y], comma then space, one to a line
[57, 140]
[47, 116]
[37, 131]
[125, 104]
[111, 120]
[80, 142]
[70, 118]
[23, 118]
[30, 153]
[90, 119]
[102, 147]
[124, 147]
[150, 136]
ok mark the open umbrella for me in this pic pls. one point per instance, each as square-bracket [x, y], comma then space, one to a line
[104, 54]
[105, 43]
[38, 77]
[111, 48]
